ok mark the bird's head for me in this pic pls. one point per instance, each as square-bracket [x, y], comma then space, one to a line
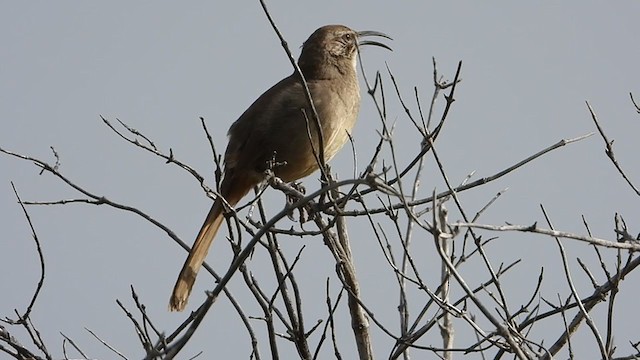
[332, 50]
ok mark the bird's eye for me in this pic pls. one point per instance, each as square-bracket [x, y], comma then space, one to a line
[348, 36]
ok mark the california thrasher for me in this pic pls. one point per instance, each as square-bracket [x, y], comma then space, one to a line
[276, 129]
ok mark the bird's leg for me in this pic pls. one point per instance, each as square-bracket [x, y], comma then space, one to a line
[292, 199]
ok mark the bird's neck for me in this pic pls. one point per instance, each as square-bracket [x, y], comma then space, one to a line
[328, 69]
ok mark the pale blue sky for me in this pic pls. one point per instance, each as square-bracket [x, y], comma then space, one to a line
[158, 65]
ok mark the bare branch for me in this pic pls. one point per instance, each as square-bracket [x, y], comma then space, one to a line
[609, 150]
[23, 318]
[561, 234]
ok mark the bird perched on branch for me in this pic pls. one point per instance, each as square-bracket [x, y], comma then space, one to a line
[280, 128]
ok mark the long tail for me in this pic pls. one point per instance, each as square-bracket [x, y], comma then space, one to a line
[187, 277]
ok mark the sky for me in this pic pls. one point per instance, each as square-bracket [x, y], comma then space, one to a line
[528, 69]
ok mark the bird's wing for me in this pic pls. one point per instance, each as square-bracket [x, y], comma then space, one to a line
[257, 121]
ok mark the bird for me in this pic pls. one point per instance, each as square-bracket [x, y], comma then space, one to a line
[278, 129]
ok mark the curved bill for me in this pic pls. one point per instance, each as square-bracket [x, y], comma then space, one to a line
[372, 42]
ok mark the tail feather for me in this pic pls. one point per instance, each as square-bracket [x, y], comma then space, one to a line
[187, 277]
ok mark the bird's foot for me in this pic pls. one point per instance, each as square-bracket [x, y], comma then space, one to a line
[304, 211]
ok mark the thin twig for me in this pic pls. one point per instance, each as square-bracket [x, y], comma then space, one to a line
[550, 232]
[609, 150]
[25, 315]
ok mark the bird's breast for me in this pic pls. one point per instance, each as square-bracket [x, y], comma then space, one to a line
[339, 118]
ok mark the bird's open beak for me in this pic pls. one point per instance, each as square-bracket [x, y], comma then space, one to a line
[371, 42]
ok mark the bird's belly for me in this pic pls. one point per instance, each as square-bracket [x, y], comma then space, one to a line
[302, 158]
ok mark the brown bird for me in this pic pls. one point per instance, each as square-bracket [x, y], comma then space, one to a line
[274, 127]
